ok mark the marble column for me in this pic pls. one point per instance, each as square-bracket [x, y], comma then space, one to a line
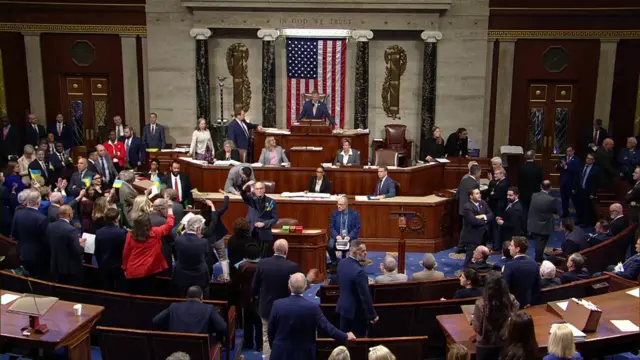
[33, 54]
[504, 88]
[487, 100]
[268, 37]
[429, 75]
[145, 79]
[361, 93]
[203, 97]
[130, 82]
[604, 90]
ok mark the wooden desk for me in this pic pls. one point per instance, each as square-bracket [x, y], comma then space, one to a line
[330, 144]
[307, 249]
[459, 167]
[414, 181]
[378, 228]
[65, 328]
[608, 339]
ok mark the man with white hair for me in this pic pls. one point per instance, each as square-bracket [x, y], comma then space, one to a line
[294, 322]
[194, 259]
[126, 194]
[30, 231]
[389, 270]
[263, 214]
[628, 160]
[78, 178]
[57, 200]
[618, 222]
[548, 275]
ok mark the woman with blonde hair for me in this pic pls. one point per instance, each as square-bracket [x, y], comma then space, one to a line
[201, 143]
[562, 345]
[380, 353]
[340, 353]
[141, 205]
[24, 161]
[458, 352]
[272, 154]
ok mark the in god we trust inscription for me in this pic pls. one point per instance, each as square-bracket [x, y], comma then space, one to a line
[303, 21]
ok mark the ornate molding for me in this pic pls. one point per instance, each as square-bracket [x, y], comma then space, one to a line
[565, 34]
[268, 34]
[321, 33]
[237, 57]
[396, 59]
[431, 36]
[362, 35]
[73, 28]
[200, 33]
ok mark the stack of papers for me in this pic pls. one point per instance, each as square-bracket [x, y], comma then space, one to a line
[576, 332]
[442, 160]
[508, 149]
[256, 164]
[307, 195]
[7, 298]
[635, 292]
[277, 131]
[226, 163]
[90, 244]
[625, 325]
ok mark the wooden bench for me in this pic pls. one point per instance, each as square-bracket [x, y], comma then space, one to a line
[9, 249]
[405, 348]
[121, 344]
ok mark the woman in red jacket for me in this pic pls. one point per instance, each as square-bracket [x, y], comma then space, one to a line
[142, 257]
[116, 151]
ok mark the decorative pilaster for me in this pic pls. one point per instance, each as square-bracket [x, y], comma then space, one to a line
[429, 75]
[130, 88]
[203, 98]
[268, 37]
[361, 93]
[604, 89]
[33, 54]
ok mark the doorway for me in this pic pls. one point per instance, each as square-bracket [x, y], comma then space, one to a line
[551, 125]
[85, 102]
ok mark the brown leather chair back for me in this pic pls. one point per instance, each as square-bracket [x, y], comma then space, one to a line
[286, 221]
[269, 187]
[386, 157]
[243, 155]
[304, 97]
[395, 137]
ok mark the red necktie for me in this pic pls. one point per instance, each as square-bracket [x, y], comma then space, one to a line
[595, 137]
[177, 188]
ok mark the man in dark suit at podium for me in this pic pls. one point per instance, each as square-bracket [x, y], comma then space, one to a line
[315, 109]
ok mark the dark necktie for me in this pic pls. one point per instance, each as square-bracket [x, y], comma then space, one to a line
[104, 168]
[584, 175]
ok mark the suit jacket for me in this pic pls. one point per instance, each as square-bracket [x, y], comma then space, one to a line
[220, 231]
[322, 112]
[631, 268]
[354, 158]
[261, 210]
[592, 182]
[353, 224]
[427, 275]
[605, 161]
[473, 230]
[44, 172]
[116, 152]
[354, 291]
[391, 278]
[522, 275]
[191, 261]
[234, 179]
[387, 188]
[53, 211]
[60, 166]
[156, 140]
[628, 160]
[271, 282]
[292, 328]
[9, 145]
[236, 248]
[589, 136]
[546, 283]
[110, 241]
[568, 176]
[222, 155]
[126, 194]
[543, 207]
[113, 174]
[480, 266]
[30, 231]
[530, 177]
[432, 148]
[265, 156]
[456, 147]
[33, 137]
[325, 186]
[471, 292]
[572, 276]
[66, 251]
[137, 153]
[467, 184]
[65, 137]
[236, 134]
[93, 167]
[76, 184]
[185, 184]
[574, 242]
[618, 225]
[515, 223]
[497, 196]
[598, 238]
[191, 316]
[501, 263]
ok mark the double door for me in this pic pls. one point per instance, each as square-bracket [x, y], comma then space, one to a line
[85, 104]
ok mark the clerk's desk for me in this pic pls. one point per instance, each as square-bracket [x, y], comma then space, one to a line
[378, 228]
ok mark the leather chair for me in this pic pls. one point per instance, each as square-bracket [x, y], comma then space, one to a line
[395, 139]
[269, 187]
[286, 222]
[304, 97]
[243, 155]
[385, 157]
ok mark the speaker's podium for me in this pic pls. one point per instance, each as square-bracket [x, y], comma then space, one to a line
[308, 126]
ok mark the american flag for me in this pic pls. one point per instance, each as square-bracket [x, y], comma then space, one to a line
[316, 64]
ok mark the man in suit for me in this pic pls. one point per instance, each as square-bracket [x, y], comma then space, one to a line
[57, 201]
[119, 127]
[315, 109]
[9, 141]
[575, 240]
[34, 131]
[601, 234]
[530, 176]
[60, 162]
[496, 196]
[238, 176]
[80, 178]
[239, 131]
[105, 165]
[479, 260]
[505, 259]
[467, 184]
[386, 187]
[110, 240]
[135, 152]
[270, 283]
[605, 161]
[194, 256]
[92, 164]
[262, 216]
[476, 216]
[619, 222]
[180, 183]
[153, 136]
[577, 271]
[355, 305]
[522, 274]
[389, 272]
[585, 191]
[595, 136]
[512, 222]
[41, 165]
[540, 218]
[192, 316]
[62, 132]
[631, 268]
[294, 323]
[67, 249]
[30, 231]
[429, 273]
[569, 167]
[629, 159]
[178, 209]
[127, 194]
[345, 226]
[348, 156]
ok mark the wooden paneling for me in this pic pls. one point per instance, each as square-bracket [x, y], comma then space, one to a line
[625, 90]
[57, 62]
[16, 85]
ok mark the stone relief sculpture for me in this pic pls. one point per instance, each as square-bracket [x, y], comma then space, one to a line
[396, 59]
[237, 62]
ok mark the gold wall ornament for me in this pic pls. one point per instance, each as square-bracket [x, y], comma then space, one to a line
[237, 64]
[396, 59]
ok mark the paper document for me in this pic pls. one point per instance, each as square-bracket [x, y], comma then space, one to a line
[186, 218]
[508, 149]
[563, 305]
[576, 332]
[625, 325]
[361, 198]
[7, 298]
[635, 292]
[442, 160]
[90, 244]
[154, 191]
